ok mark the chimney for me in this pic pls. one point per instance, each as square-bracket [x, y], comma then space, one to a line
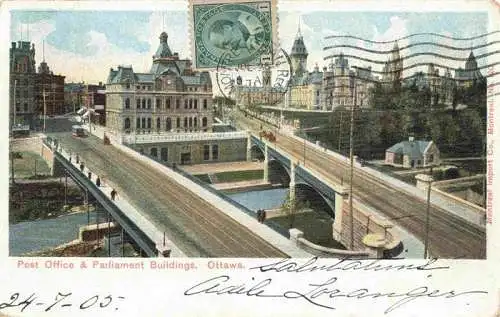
[411, 139]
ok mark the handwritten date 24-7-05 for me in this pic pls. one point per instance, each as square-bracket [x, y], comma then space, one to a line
[61, 301]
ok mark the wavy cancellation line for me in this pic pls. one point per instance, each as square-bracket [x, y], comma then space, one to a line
[385, 52]
[415, 75]
[413, 35]
[408, 57]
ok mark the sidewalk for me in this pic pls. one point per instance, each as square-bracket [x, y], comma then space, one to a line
[222, 167]
[146, 226]
[266, 233]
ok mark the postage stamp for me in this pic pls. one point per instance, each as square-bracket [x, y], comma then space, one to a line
[243, 32]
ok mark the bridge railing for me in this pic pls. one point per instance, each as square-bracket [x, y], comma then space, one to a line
[174, 137]
[284, 232]
[136, 233]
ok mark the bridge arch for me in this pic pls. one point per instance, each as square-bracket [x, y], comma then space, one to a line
[256, 153]
[306, 194]
[278, 173]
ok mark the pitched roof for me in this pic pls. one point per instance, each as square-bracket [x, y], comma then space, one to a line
[414, 149]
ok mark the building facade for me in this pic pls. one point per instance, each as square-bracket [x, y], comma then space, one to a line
[22, 83]
[49, 92]
[171, 97]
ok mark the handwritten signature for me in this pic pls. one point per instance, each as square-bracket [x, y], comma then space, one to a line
[60, 300]
[327, 293]
[222, 285]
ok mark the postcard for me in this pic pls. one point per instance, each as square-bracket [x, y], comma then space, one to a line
[249, 157]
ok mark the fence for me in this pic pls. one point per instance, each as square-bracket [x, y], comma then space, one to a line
[152, 138]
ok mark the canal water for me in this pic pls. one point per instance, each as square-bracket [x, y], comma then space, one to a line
[32, 236]
[261, 199]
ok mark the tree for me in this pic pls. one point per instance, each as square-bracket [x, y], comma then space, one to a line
[290, 208]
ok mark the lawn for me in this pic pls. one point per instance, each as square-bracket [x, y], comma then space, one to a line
[29, 165]
[204, 178]
[238, 176]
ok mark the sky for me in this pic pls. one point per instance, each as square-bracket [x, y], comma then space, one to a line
[84, 45]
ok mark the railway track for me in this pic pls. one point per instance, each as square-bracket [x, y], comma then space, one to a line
[196, 226]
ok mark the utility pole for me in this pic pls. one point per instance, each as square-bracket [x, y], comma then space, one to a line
[15, 105]
[340, 129]
[351, 169]
[427, 220]
[44, 109]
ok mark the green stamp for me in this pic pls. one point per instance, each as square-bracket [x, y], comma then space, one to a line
[232, 34]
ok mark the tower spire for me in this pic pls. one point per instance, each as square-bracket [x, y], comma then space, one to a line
[43, 50]
[299, 33]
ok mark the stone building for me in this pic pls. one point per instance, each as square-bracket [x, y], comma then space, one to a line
[22, 83]
[171, 97]
[49, 91]
[466, 77]
[392, 73]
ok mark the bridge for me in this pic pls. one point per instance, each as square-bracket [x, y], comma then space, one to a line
[450, 236]
[196, 221]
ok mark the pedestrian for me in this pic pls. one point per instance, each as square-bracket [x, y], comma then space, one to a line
[259, 215]
[82, 167]
[263, 218]
[89, 174]
[113, 194]
[98, 182]
[77, 159]
[70, 158]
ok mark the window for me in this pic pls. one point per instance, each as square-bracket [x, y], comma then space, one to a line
[168, 103]
[164, 154]
[204, 104]
[138, 123]
[144, 87]
[18, 107]
[168, 125]
[178, 123]
[204, 121]
[149, 103]
[185, 122]
[143, 103]
[149, 123]
[215, 152]
[144, 123]
[138, 87]
[127, 85]
[205, 87]
[190, 103]
[195, 89]
[196, 103]
[26, 93]
[127, 103]
[158, 103]
[154, 152]
[177, 103]
[431, 158]
[126, 125]
[138, 103]
[206, 152]
[185, 103]
[190, 122]
[158, 123]
[25, 107]
[195, 122]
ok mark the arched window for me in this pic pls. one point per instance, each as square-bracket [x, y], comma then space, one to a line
[168, 125]
[204, 121]
[154, 152]
[144, 123]
[158, 124]
[127, 103]
[143, 103]
[127, 124]
[196, 103]
[190, 103]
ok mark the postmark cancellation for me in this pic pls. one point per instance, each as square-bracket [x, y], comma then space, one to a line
[232, 32]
